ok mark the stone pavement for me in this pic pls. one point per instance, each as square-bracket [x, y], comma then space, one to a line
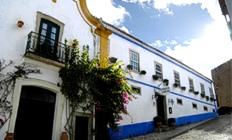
[168, 134]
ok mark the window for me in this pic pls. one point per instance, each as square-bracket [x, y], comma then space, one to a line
[194, 106]
[213, 110]
[134, 60]
[46, 38]
[158, 70]
[179, 101]
[211, 92]
[177, 78]
[202, 88]
[136, 90]
[205, 108]
[191, 86]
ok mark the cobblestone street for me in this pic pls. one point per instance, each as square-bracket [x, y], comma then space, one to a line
[216, 129]
[219, 128]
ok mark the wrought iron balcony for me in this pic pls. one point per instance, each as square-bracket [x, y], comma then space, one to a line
[45, 47]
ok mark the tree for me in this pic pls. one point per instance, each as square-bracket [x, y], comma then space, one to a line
[103, 91]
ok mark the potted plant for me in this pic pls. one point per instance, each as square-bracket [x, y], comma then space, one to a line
[191, 90]
[196, 92]
[172, 122]
[202, 95]
[183, 88]
[211, 99]
[207, 98]
[165, 81]
[155, 77]
[113, 59]
[176, 85]
[129, 67]
[143, 72]
[20, 23]
[158, 122]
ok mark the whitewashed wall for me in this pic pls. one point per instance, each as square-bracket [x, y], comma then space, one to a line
[142, 108]
[13, 45]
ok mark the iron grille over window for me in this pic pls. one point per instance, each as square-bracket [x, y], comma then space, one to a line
[191, 86]
[47, 48]
[134, 60]
[158, 71]
[202, 88]
[177, 77]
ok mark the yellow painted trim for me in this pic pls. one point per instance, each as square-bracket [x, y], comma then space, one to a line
[100, 30]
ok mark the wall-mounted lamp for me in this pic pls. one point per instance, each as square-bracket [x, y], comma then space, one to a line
[20, 23]
[171, 101]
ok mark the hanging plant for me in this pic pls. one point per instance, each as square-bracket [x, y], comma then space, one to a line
[143, 72]
[129, 67]
[196, 92]
[155, 77]
[183, 88]
[166, 82]
[207, 98]
[176, 85]
[203, 95]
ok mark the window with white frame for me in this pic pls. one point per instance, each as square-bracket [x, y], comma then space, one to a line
[177, 78]
[134, 60]
[211, 92]
[191, 86]
[158, 70]
[202, 88]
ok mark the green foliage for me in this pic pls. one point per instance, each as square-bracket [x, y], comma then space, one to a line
[86, 85]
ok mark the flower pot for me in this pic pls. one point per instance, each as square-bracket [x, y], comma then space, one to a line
[143, 72]
[113, 59]
[166, 81]
[129, 67]
[155, 77]
[20, 23]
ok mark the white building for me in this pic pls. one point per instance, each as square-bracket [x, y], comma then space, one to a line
[38, 104]
[180, 103]
[70, 20]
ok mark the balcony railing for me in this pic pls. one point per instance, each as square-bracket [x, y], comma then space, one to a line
[45, 47]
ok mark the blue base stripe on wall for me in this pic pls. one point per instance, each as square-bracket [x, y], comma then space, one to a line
[132, 130]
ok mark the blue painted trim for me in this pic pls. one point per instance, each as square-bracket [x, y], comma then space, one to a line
[133, 130]
[194, 118]
[170, 92]
[165, 58]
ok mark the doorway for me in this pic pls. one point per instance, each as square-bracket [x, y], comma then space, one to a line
[161, 108]
[81, 128]
[35, 114]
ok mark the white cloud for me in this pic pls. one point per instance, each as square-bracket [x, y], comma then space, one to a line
[123, 28]
[206, 53]
[110, 13]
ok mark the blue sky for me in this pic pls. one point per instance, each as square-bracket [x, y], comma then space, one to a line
[192, 31]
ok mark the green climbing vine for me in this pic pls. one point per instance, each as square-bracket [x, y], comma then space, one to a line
[103, 91]
[7, 84]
